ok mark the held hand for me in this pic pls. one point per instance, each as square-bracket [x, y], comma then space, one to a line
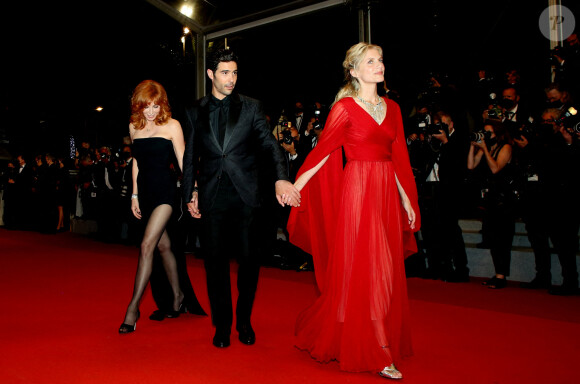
[193, 206]
[135, 208]
[287, 194]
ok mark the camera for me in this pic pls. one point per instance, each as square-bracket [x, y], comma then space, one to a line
[434, 129]
[317, 124]
[287, 137]
[479, 136]
[570, 121]
[494, 112]
[567, 116]
[520, 131]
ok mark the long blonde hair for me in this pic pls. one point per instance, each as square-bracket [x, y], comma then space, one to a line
[354, 56]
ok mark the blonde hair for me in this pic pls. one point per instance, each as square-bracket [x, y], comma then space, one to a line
[354, 56]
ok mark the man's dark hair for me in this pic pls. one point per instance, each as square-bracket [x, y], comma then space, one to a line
[219, 56]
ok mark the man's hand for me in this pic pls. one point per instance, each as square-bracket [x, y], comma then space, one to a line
[193, 206]
[289, 148]
[566, 135]
[522, 142]
[287, 194]
[441, 136]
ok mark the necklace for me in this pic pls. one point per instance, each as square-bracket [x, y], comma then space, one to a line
[375, 110]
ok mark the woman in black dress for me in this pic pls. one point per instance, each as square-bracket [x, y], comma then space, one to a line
[157, 140]
[492, 157]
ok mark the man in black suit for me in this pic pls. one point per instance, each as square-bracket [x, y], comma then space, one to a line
[550, 206]
[439, 200]
[226, 134]
[299, 119]
[22, 183]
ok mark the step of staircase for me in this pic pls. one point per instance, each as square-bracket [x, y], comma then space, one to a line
[522, 262]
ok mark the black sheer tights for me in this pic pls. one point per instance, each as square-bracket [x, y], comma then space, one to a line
[155, 236]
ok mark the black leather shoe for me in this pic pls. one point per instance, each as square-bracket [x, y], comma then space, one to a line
[221, 338]
[247, 335]
[537, 284]
[564, 290]
[157, 315]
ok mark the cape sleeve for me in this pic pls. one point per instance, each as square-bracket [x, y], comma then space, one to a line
[312, 225]
[402, 166]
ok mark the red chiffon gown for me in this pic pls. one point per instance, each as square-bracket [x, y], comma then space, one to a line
[353, 223]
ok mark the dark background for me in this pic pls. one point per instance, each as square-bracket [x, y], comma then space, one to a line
[62, 60]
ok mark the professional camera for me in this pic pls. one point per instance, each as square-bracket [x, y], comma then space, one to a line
[494, 112]
[317, 124]
[517, 131]
[479, 136]
[570, 120]
[434, 129]
[421, 121]
[286, 137]
[567, 116]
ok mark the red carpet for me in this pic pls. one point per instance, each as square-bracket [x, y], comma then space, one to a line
[63, 298]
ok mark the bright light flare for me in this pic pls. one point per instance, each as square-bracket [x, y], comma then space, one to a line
[187, 10]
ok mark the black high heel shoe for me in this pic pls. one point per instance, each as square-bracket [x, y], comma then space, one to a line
[127, 328]
[175, 314]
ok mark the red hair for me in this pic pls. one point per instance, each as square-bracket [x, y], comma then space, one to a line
[147, 92]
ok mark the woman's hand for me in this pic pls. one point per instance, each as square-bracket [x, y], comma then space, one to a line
[411, 217]
[480, 144]
[135, 208]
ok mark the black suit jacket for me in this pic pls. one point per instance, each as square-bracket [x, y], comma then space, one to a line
[247, 136]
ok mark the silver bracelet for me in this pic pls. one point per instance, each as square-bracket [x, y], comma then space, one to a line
[134, 196]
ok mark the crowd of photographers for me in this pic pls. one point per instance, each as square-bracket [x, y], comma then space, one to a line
[503, 149]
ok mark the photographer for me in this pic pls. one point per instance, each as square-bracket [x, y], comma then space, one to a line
[490, 154]
[550, 198]
[108, 193]
[558, 97]
[289, 139]
[415, 127]
[438, 200]
[313, 130]
[507, 109]
[565, 62]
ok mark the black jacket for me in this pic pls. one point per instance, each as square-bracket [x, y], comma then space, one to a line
[247, 137]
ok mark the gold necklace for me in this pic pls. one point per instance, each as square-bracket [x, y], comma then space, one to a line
[375, 110]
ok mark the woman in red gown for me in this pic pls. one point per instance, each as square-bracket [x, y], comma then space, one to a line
[358, 224]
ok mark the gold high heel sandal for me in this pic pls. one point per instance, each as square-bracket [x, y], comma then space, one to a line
[391, 372]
